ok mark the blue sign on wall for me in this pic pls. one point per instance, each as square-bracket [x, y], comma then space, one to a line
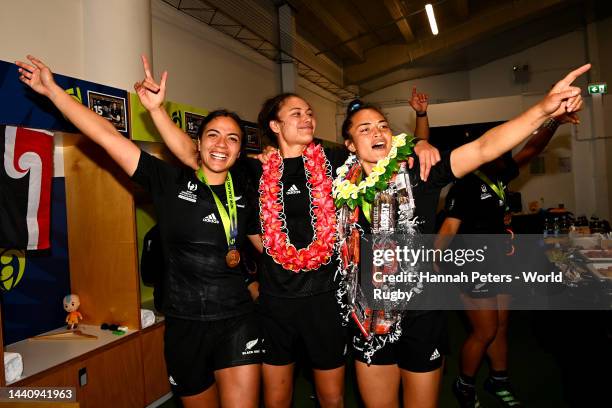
[20, 106]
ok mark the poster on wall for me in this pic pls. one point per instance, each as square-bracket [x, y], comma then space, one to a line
[111, 108]
[186, 117]
[253, 140]
[21, 106]
[193, 121]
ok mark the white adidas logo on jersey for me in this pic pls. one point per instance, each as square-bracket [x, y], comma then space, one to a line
[434, 355]
[211, 219]
[293, 190]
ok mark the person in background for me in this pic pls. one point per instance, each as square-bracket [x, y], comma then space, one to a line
[477, 204]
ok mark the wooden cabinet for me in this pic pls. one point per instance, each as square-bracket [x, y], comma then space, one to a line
[114, 376]
[156, 383]
[111, 376]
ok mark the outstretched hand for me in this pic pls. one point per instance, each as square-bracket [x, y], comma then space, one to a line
[563, 97]
[428, 155]
[150, 93]
[37, 76]
[419, 101]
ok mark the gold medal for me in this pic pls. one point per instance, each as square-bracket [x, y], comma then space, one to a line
[232, 259]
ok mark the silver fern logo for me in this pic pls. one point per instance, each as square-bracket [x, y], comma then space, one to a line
[248, 348]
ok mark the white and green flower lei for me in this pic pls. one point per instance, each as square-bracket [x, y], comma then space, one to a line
[346, 192]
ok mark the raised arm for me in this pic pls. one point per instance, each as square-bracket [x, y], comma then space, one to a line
[40, 78]
[152, 97]
[419, 102]
[562, 98]
[540, 138]
[428, 155]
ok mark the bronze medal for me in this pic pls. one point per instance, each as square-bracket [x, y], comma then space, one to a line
[232, 259]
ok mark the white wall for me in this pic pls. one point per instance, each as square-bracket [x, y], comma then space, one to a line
[551, 188]
[207, 68]
[554, 187]
[441, 88]
[51, 30]
[548, 62]
[324, 106]
[604, 33]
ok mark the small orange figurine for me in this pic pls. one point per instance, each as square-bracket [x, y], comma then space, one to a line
[71, 304]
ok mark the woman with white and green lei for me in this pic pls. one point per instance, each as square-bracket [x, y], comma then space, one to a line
[378, 192]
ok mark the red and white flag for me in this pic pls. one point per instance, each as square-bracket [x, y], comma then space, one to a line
[25, 187]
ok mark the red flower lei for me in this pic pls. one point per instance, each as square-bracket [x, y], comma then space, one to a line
[275, 238]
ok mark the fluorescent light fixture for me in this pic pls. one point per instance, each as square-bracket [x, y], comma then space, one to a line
[432, 19]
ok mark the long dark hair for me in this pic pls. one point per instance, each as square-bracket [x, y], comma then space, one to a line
[222, 113]
[353, 107]
[269, 111]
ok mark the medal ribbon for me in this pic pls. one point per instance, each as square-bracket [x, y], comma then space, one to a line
[498, 188]
[230, 222]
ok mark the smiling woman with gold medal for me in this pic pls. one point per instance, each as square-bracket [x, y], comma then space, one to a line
[212, 342]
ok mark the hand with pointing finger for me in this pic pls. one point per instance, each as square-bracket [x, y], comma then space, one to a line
[563, 97]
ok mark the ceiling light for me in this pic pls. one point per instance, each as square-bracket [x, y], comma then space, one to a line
[432, 19]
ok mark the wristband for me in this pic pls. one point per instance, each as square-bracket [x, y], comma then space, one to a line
[551, 124]
[421, 114]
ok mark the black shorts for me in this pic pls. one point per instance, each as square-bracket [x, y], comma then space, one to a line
[481, 290]
[195, 349]
[496, 263]
[421, 347]
[308, 327]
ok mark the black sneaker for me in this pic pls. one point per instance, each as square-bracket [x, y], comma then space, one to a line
[503, 393]
[466, 395]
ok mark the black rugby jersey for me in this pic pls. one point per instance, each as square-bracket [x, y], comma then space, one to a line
[474, 202]
[198, 284]
[273, 278]
[426, 193]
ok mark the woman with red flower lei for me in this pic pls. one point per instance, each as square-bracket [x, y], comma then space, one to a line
[299, 311]
[300, 316]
